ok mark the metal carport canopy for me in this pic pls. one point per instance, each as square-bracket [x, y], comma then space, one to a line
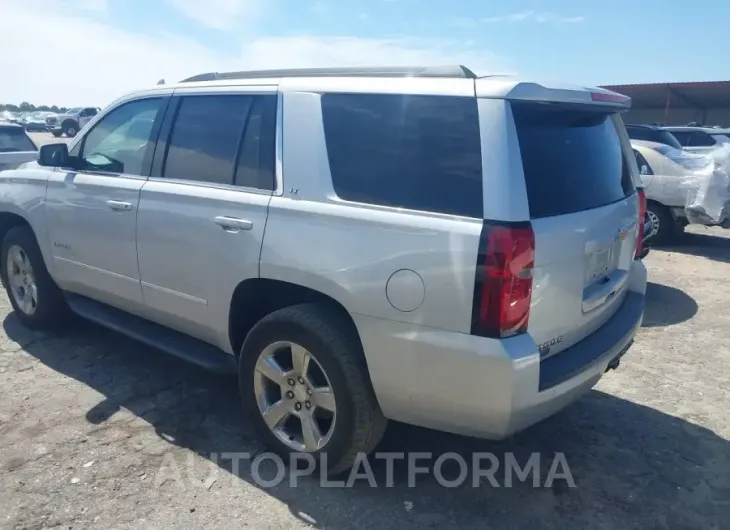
[699, 95]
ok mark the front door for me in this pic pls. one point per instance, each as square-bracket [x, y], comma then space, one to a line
[92, 209]
[85, 116]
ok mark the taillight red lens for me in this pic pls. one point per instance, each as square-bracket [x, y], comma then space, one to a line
[506, 280]
[642, 214]
[611, 97]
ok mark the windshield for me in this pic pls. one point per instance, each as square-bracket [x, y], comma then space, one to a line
[14, 139]
[75, 110]
[683, 158]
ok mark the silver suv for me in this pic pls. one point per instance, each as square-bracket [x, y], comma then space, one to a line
[420, 244]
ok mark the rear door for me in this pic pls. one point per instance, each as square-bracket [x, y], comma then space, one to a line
[579, 177]
[203, 211]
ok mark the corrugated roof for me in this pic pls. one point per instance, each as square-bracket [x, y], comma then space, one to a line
[696, 95]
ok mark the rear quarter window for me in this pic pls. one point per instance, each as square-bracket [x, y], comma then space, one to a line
[572, 159]
[415, 152]
[14, 139]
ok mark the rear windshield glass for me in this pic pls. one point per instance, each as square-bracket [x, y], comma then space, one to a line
[14, 139]
[405, 151]
[572, 159]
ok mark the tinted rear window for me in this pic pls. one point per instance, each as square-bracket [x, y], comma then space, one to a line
[572, 159]
[13, 139]
[416, 152]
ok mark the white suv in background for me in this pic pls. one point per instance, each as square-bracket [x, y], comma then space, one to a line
[357, 244]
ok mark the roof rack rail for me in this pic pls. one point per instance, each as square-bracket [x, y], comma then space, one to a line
[457, 71]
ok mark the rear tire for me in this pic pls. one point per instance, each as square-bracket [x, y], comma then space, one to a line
[357, 424]
[70, 129]
[47, 307]
[666, 229]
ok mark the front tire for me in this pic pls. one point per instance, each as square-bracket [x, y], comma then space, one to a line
[305, 386]
[665, 227]
[35, 297]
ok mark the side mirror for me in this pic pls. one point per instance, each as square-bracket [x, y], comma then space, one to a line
[54, 155]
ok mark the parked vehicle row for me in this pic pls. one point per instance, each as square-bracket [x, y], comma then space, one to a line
[68, 123]
[71, 121]
[667, 175]
[358, 245]
[690, 138]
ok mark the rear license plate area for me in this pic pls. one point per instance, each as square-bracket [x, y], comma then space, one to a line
[601, 263]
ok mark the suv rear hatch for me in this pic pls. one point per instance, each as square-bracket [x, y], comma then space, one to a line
[564, 272]
[583, 210]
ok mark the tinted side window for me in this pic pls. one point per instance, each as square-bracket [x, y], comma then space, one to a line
[643, 164]
[14, 139]
[118, 143]
[701, 139]
[639, 133]
[255, 167]
[416, 152]
[683, 137]
[572, 159]
[205, 138]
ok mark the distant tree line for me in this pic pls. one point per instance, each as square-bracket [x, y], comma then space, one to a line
[28, 107]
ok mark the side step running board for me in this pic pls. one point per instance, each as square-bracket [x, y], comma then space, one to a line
[155, 335]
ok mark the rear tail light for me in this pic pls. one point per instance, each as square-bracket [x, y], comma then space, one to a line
[641, 194]
[503, 286]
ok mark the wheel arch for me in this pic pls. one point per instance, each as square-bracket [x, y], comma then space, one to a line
[10, 220]
[255, 298]
[69, 121]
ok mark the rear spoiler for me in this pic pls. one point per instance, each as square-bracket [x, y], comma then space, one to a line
[506, 87]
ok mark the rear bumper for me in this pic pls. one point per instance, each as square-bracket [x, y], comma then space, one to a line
[486, 387]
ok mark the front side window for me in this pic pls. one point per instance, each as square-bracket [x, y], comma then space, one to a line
[405, 151]
[119, 142]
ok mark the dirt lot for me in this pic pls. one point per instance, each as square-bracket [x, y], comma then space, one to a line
[43, 138]
[87, 419]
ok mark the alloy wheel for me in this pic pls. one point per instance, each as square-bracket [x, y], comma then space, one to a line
[294, 396]
[22, 280]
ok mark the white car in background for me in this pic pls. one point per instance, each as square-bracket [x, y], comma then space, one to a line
[700, 138]
[16, 147]
[666, 173]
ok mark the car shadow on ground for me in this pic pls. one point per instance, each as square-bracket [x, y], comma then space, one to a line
[667, 306]
[632, 466]
[708, 246]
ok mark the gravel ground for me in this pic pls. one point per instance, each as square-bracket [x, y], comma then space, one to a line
[43, 138]
[92, 427]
